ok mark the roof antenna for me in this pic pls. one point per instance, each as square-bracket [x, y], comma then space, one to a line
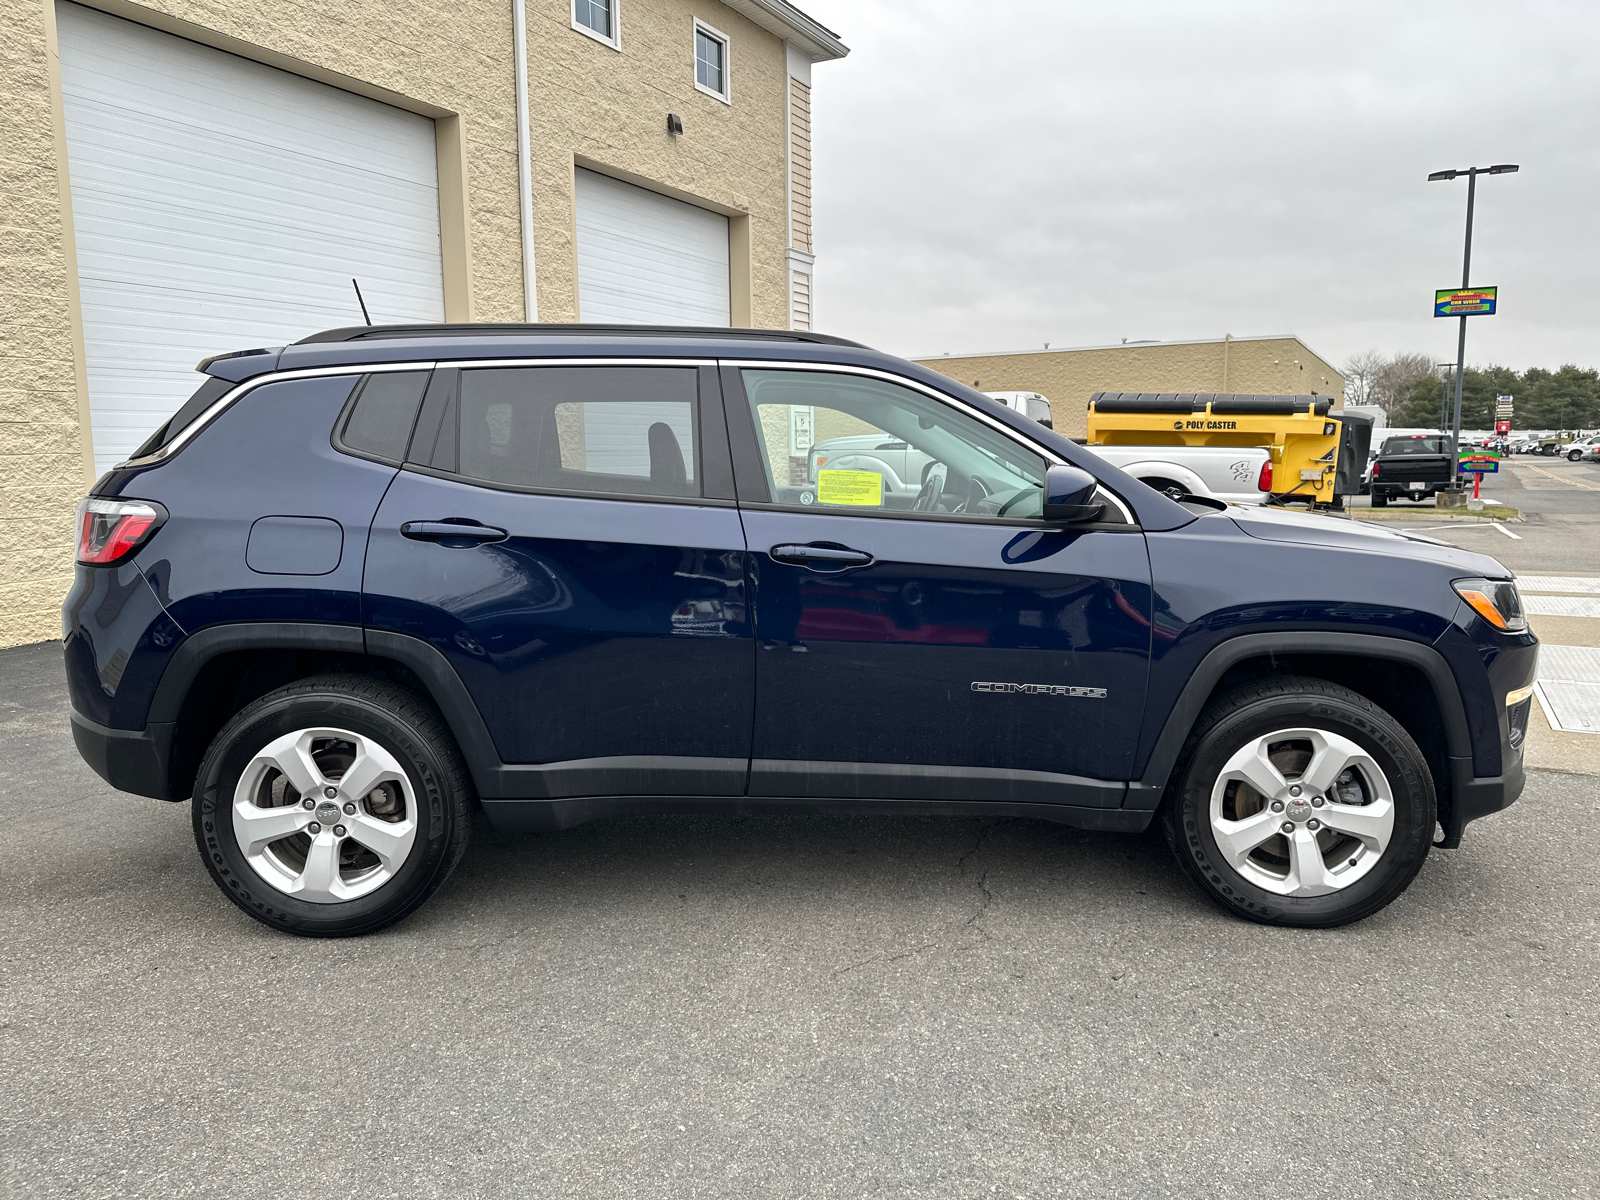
[361, 302]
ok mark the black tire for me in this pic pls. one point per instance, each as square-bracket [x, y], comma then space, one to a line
[1380, 499]
[1574, 455]
[1255, 711]
[399, 721]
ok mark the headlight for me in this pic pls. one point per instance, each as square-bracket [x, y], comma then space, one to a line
[1495, 600]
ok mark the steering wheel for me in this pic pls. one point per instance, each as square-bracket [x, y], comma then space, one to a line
[932, 488]
[1021, 495]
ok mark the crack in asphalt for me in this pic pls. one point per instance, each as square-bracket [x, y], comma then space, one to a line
[975, 920]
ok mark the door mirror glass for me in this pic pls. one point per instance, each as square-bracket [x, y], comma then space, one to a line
[1069, 495]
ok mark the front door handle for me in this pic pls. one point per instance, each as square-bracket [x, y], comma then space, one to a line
[440, 531]
[820, 556]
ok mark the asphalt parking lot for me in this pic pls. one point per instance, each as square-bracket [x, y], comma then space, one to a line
[696, 1007]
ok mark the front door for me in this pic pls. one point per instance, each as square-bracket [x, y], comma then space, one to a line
[921, 633]
[566, 537]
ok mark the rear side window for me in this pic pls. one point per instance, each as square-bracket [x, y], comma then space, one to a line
[380, 415]
[629, 430]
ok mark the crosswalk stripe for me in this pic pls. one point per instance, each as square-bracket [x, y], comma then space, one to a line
[1559, 583]
[1561, 606]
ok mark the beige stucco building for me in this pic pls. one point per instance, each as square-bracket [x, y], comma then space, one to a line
[186, 177]
[1068, 377]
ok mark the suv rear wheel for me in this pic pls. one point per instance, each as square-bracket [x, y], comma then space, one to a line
[1299, 802]
[332, 807]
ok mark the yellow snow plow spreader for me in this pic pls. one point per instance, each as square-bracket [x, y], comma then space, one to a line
[1317, 454]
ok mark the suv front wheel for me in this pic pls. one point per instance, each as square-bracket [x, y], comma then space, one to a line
[1299, 802]
[333, 806]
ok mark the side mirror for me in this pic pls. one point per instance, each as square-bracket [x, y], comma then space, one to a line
[1069, 495]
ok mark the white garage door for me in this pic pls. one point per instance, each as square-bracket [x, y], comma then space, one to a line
[220, 204]
[644, 258]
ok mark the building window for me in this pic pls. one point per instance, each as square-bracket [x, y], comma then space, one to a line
[597, 18]
[711, 61]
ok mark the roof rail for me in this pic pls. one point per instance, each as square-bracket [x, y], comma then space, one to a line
[356, 333]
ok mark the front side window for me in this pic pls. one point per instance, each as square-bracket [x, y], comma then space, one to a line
[854, 444]
[628, 430]
[711, 61]
[597, 17]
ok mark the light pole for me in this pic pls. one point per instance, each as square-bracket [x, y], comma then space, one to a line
[1472, 174]
[1444, 400]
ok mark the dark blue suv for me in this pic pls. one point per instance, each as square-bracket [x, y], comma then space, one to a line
[360, 585]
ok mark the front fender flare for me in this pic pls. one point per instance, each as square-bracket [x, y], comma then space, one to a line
[1147, 791]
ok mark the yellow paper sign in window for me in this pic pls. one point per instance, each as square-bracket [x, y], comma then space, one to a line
[850, 487]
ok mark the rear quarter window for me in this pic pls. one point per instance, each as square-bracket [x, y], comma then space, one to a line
[378, 420]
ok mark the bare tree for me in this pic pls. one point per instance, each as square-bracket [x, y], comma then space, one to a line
[1360, 373]
[1387, 380]
[1399, 376]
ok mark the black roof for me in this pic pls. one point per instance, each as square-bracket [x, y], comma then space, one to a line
[357, 333]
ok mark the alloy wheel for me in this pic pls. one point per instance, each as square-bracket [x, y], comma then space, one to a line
[1302, 812]
[325, 815]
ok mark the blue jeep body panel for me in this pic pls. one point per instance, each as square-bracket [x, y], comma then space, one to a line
[612, 653]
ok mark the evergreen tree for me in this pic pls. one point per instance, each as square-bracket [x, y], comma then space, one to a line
[1412, 394]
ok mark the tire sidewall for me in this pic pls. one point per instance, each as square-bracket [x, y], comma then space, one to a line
[1397, 757]
[219, 776]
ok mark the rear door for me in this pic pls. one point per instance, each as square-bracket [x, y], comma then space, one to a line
[566, 536]
[958, 648]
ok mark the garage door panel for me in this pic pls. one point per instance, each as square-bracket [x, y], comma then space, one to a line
[220, 204]
[645, 258]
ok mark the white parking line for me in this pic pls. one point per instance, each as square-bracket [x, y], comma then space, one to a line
[1516, 537]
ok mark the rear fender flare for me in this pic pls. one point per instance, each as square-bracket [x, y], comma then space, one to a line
[444, 686]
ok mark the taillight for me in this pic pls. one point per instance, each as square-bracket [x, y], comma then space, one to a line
[1264, 480]
[111, 530]
[1375, 470]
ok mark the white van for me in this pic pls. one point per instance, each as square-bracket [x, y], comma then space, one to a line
[1029, 404]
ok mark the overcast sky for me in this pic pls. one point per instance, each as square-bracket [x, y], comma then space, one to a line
[996, 176]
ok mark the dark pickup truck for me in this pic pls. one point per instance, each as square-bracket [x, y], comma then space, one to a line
[1411, 468]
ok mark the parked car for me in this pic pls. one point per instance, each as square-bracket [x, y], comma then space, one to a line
[362, 586]
[1582, 448]
[1412, 467]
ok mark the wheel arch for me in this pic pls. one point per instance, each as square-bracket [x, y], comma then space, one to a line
[217, 671]
[1393, 673]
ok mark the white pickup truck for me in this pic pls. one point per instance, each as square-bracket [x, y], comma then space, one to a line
[1232, 474]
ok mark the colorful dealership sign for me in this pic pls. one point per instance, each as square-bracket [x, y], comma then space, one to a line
[1464, 302]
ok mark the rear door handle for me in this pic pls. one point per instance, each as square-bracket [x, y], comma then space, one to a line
[439, 531]
[820, 557]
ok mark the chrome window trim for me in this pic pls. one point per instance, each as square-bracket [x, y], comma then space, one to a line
[467, 364]
[1044, 452]
[222, 405]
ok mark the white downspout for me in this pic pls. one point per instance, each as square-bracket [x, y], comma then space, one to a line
[519, 42]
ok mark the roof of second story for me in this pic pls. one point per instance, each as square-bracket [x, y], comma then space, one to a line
[808, 35]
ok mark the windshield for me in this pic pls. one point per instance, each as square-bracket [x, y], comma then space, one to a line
[1416, 445]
